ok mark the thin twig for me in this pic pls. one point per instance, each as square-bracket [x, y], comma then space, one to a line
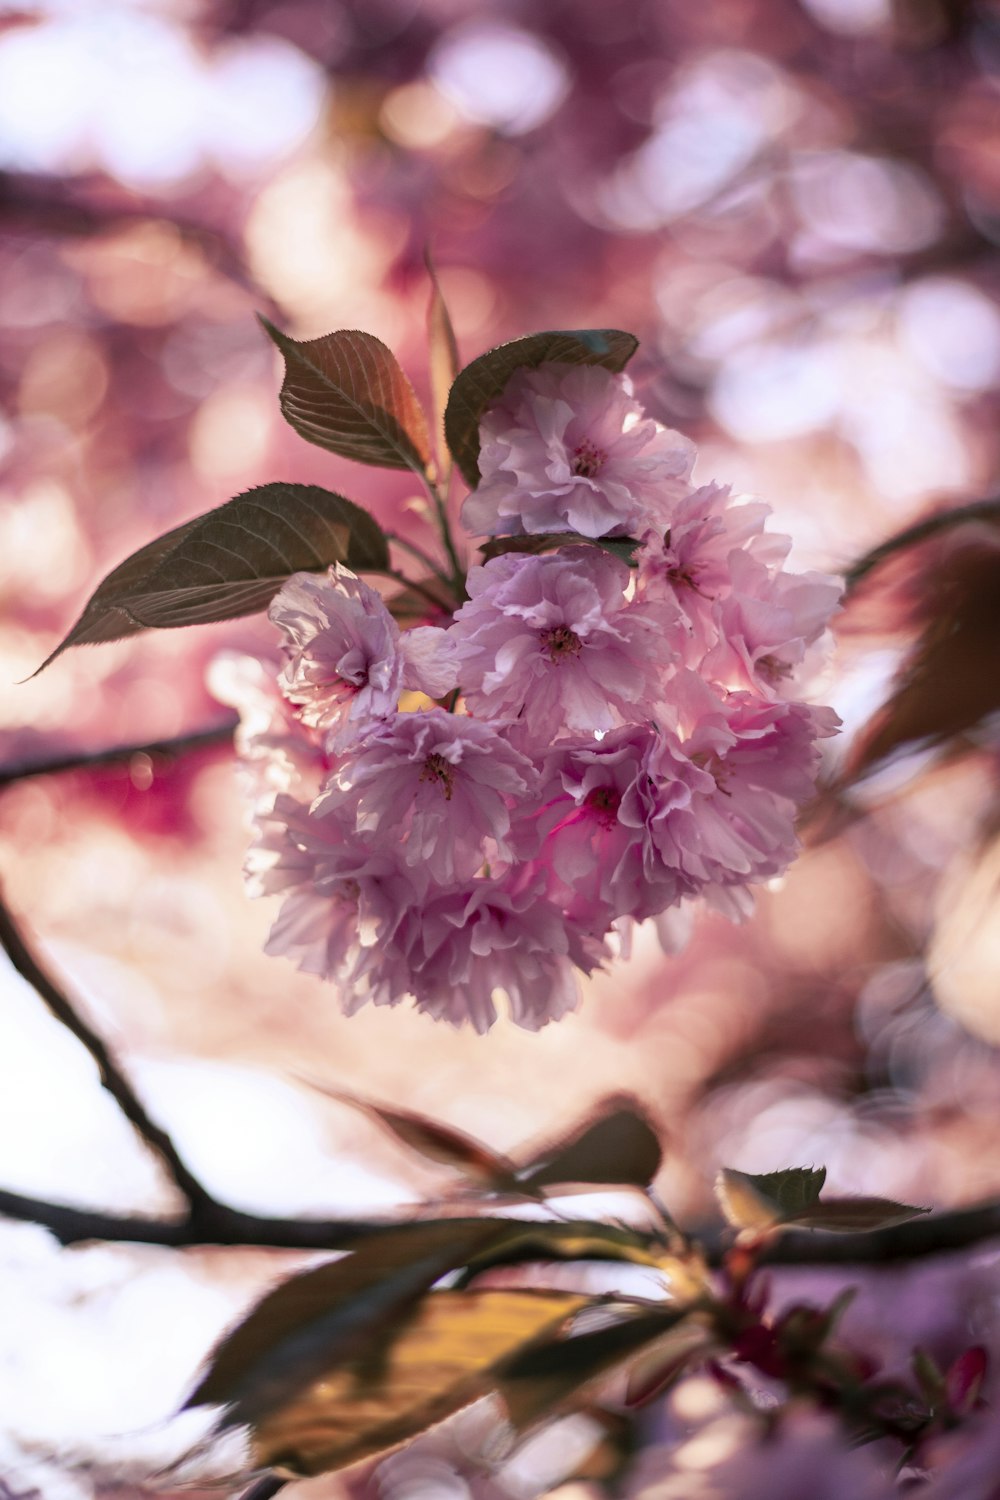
[84, 760]
[111, 1076]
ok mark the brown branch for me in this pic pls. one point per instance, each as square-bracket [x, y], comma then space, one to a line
[85, 760]
[111, 1076]
[219, 1225]
[959, 1229]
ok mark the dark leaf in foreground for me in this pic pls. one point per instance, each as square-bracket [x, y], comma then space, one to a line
[229, 562]
[347, 392]
[622, 547]
[535, 1383]
[438, 1143]
[485, 379]
[849, 1215]
[619, 1147]
[414, 606]
[352, 1305]
[440, 1358]
[948, 683]
[772, 1200]
[309, 1321]
[757, 1200]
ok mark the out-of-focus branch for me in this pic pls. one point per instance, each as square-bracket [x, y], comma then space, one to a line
[219, 1225]
[111, 1076]
[960, 1229]
[84, 760]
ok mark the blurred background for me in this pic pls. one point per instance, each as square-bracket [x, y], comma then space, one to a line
[795, 204]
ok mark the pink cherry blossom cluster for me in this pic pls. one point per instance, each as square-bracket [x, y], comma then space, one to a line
[452, 813]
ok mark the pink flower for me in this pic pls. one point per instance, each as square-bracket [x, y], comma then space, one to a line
[766, 624]
[567, 449]
[597, 844]
[725, 787]
[342, 901]
[278, 754]
[689, 564]
[438, 784]
[465, 944]
[552, 642]
[344, 653]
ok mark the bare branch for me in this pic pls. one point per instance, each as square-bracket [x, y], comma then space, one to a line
[111, 1076]
[169, 749]
[961, 1229]
[218, 1226]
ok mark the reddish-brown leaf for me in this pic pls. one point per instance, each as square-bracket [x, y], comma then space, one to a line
[438, 1143]
[619, 1147]
[347, 392]
[229, 562]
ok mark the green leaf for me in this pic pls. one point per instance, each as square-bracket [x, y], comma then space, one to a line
[848, 1215]
[622, 547]
[757, 1201]
[351, 1306]
[346, 392]
[441, 1357]
[659, 1366]
[229, 562]
[536, 1382]
[438, 1143]
[618, 1147]
[482, 382]
[411, 606]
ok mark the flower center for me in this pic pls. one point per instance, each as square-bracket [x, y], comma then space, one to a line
[773, 670]
[604, 801]
[707, 760]
[588, 459]
[560, 643]
[439, 771]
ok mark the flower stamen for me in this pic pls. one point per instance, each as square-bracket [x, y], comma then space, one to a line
[588, 460]
[560, 643]
[437, 769]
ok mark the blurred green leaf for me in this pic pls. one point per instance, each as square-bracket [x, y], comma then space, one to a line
[438, 1143]
[440, 1357]
[229, 562]
[352, 1304]
[480, 384]
[847, 1215]
[534, 1383]
[759, 1200]
[347, 392]
[618, 1147]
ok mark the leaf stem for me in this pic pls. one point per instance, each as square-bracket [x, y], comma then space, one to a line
[425, 557]
[411, 583]
[441, 511]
